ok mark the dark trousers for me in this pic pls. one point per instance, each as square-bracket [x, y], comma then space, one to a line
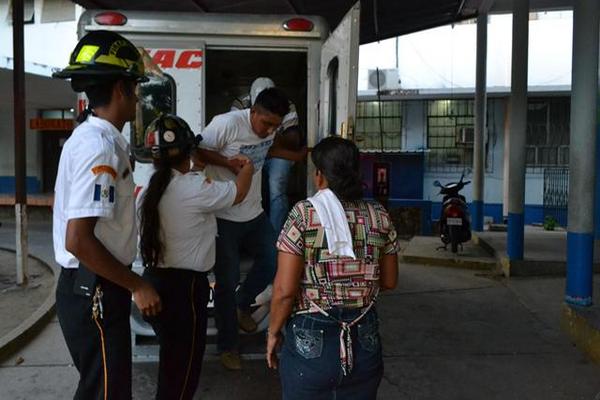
[180, 328]
[256, 238]
[310, 365]
[100, 348]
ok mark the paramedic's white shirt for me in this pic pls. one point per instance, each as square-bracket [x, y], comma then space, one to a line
[231, 134]
[188, 225]
[94, 180]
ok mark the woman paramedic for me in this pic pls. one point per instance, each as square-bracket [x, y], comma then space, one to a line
[177, 244]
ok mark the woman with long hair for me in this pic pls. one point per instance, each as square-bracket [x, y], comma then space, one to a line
[177, 245]
[336, 253]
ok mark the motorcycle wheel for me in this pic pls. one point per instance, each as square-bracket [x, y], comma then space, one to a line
[454, 232]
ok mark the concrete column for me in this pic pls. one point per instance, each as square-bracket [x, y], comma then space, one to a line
[582, 155]
[518, 129]
[480, 118]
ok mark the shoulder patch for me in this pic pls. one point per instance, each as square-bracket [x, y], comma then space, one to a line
[104, 169]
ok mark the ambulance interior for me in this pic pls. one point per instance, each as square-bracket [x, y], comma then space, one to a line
[229, 75]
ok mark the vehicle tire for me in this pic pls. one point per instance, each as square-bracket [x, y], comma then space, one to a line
[454, 233]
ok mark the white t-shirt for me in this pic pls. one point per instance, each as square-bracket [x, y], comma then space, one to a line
[231, 134]
[94, 180]
[188, 227]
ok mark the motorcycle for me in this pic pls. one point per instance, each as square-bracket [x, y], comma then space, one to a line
[455, 220]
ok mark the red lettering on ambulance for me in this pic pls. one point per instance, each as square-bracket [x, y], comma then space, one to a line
[164, 58]
[190, 59]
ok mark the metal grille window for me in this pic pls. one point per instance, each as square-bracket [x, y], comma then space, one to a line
[371, 134]
[547, 132]
[450, 133]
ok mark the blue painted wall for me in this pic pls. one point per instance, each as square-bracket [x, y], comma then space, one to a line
[534, 213]
[7, 184]
[406, 174]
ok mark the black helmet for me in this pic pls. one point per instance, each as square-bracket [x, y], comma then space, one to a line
[169, 136]
[103, 54]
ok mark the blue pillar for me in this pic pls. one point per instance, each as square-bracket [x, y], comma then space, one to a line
[518, 130]
[597, 194]
[582, 161]
[480, 114]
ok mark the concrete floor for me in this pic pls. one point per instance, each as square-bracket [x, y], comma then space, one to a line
[447, 334]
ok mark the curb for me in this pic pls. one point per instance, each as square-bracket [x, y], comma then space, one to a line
[525, 267]
[576, 323]
[454, 262]
[14, 339]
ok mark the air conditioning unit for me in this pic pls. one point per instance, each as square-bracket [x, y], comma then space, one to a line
[389, 79]
[465, 135]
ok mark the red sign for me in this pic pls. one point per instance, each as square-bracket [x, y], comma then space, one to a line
[46, 124]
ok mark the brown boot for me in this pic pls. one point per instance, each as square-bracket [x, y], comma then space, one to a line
[245, 321]
[231, 360]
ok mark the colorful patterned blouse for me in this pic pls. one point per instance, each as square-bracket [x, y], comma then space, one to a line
[332, 281]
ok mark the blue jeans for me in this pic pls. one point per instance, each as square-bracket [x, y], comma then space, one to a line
[257, 239]
[276, 172]
[310, 365]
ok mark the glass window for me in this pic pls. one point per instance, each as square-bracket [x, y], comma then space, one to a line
[548, 130]
[332, 74]
[157, 96]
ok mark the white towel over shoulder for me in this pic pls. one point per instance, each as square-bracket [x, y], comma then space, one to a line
[334, 221]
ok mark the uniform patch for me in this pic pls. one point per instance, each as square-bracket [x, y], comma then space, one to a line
[104, 169]
[104, 192]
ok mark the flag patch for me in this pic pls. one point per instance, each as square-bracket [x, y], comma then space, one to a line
[104, 192]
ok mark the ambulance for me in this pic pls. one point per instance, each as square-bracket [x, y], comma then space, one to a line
[199, 63]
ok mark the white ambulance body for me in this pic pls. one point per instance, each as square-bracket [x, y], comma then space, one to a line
[203, 62]
[209, 60]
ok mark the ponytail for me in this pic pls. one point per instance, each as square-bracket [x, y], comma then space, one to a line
[84, 114]
[151, 246]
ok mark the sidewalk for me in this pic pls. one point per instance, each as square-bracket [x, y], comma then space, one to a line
[447, 333]
[34, 300]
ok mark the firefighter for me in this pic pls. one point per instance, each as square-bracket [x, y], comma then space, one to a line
[177, 243]
[94, 230]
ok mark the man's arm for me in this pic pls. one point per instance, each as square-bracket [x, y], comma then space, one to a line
[85, 246]
[287, 145]
[214, 158]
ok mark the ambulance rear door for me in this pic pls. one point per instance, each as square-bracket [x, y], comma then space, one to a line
[339, 77]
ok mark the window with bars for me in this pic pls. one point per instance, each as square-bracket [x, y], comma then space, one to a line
[547, 132]
[373, 133]
[450, 132]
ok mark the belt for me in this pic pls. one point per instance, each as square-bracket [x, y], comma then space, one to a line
[346, 355]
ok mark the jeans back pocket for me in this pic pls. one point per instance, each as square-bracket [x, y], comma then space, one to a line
[308, 342]
[368, 336]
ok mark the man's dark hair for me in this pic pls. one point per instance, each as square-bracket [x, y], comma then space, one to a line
[273, 100]
[98, 90]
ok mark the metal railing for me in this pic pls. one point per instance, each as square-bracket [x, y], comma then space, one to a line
[556, 194]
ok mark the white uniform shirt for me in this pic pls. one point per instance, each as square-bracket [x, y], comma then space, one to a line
[188, 227]
[94, 180]
[231, 134]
